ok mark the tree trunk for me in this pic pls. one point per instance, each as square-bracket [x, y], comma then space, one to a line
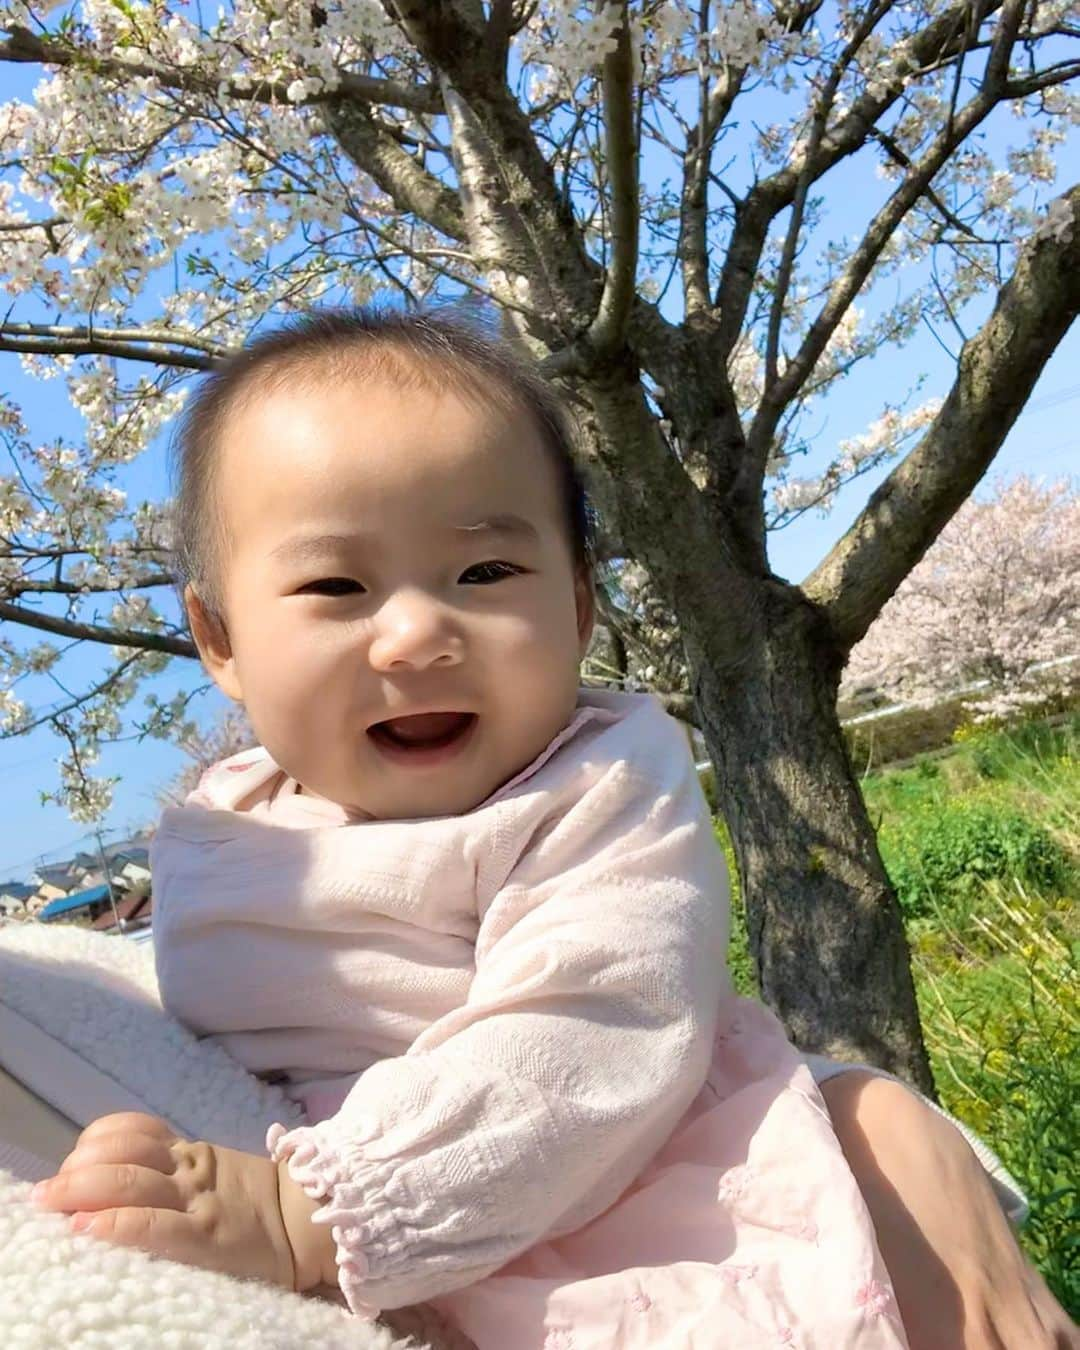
[825, 927]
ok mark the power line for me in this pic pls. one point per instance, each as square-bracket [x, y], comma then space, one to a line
[52, 853]
[1052, 400]
[22, 763]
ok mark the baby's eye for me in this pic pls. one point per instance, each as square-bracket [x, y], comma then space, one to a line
[487, 572]
[331, 586]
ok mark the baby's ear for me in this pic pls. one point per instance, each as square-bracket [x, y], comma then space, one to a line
[212, 640]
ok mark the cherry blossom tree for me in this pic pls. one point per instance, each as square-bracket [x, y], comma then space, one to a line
[995, 602]
[643, 192]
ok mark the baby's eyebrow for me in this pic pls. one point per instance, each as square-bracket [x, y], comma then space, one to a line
[305, 546]
[302, 547]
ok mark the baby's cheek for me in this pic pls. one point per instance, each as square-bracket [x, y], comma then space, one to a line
[288, 703]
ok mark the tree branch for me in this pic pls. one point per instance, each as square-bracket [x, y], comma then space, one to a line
[822, 109]
[938, 43]
[60, 587]
[959, 126]
[784, 388]
[608, 328]
[165, 336]
[24, 46]
[899, 156]
[516, 219]
[135, 344]
[504, 23]
[17, 226]
[114, 637]
[1045, 79]
[714, 104]
[76, 701]
[414, 190]
[997, 371]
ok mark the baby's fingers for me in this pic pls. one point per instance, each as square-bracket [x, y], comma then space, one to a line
[125, 1146]
[161, 1232]
[169, 1234]
[129, 1122]
[108, 1186]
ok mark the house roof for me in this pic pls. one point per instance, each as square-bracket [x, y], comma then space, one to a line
[139, 856]
[96, 895]
[130, 909]
[55, 874]
[65, 875]
[17, 890]
[114, 853]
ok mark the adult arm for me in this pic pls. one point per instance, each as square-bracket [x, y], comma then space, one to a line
[960, 1278]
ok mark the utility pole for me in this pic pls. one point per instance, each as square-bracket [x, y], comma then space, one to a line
[108, 882]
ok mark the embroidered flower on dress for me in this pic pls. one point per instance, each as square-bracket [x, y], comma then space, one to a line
[733, 1183]
[557, 1339]
[640, 1302]
[875, 1298]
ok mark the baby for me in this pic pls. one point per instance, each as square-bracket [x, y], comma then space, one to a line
[470, 914]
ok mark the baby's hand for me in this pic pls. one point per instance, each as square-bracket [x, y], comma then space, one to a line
[131, 1181]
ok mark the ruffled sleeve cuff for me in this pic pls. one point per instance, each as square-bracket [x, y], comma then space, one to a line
[356, 1205]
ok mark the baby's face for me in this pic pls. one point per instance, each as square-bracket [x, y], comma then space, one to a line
[395, 554]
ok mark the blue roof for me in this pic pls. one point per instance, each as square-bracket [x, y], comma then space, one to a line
[94, 896]
[17, 890]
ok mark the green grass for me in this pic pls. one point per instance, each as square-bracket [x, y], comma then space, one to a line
[1000, 1015]
[983, 845]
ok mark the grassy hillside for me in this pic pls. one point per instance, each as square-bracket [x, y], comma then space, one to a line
[983, 846]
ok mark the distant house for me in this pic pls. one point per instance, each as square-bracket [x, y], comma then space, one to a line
[85, 906]
[52, 883]
[84, 881]
[127, 863]
[137, 868]
[134, 911]
[61, 877]
[130, 850]
[14, 897]
[129, 860]
[131, 865]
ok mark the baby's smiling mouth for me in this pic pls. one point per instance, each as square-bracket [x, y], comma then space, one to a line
[422, 731]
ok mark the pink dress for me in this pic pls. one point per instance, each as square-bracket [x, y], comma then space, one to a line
[532, 1097]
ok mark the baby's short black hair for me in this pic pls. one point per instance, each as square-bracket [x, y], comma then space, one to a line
[431, 349]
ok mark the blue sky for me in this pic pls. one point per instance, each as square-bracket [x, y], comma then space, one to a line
[1045, 442]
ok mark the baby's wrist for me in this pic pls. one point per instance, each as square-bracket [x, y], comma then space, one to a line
[312, 1244]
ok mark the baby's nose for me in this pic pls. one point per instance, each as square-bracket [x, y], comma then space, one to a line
[415, 632]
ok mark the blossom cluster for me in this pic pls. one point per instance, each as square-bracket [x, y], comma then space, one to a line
[881, 441]
[652, 655]
[993, 608]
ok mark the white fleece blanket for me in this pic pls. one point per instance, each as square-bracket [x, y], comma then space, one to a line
[82, 1027]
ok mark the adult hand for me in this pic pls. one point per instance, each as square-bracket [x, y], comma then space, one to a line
[960, 1278]
[132, 1181]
